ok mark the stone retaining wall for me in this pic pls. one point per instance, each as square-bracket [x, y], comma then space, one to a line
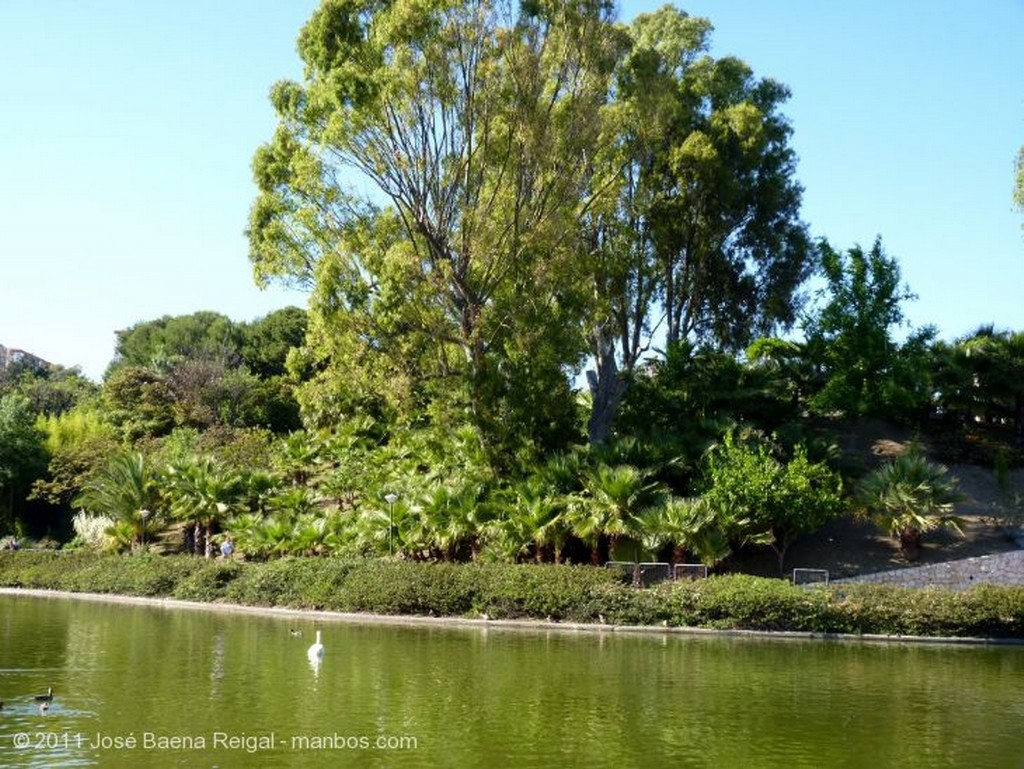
[1000, 569]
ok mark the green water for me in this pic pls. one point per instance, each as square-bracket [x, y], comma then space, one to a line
[147, 686]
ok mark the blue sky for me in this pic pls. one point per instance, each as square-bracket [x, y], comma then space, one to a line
[128, 127]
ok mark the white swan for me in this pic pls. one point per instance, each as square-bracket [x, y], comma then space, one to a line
[316, 651]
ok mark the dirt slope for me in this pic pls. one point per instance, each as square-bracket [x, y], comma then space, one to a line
[849, 546]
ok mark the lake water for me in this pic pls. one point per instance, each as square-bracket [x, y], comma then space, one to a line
[150, 686]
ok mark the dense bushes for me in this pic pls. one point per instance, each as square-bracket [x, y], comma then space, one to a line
[500, 591]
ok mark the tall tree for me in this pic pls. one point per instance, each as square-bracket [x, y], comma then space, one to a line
[851, 340]
[266, 342]
[471, 120]
[1018, 189]
[162, 342]
[22, 457]
[983, 377]
[703, 239]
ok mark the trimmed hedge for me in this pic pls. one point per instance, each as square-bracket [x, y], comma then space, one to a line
[501, 591]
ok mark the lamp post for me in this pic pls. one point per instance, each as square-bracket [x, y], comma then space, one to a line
[143, 515]
[391, 498]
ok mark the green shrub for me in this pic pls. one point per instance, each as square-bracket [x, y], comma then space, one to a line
[400, 587]
[560, 593]
[209, 583]
[752, 603]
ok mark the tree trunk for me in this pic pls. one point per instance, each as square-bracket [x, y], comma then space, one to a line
[607, 387]
[1019, 420]
[910, 543]
[678, 554]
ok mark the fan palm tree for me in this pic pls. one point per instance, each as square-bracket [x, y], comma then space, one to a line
[531, 514]
[126, 491]
[246, 530]
[454, 517]
[613, 503]
[204, 495]
[298, 455]
[908, 497]
[692, 526]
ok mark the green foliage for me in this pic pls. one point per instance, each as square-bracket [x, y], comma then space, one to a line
[615, 502]
[267, 342]
[79, 443]
[22, 456]
[84, 571]
[764, 499]
[203, 494]
[50, 389]
[578, 594]
[693, 527]
[127, 491]
[753, 603]
[139, 402]
[208, 582]
[203, 370]
[240, 449]
[532, 514]
[984, 611]
[681, 405]
[980, 378]
[850, 339]
[1018, 187]
[908, 497]
[159, 343]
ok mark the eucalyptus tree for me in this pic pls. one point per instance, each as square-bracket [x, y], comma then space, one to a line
[451, 285]
[700, 237]
[1018, 187]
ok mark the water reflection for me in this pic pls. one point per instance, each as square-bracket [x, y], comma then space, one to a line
[483, 697]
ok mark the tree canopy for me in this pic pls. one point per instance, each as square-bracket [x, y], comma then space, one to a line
[1018, 188]
[863, 368]
[544, 185]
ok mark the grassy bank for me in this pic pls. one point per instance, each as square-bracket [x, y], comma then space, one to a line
[577, 594]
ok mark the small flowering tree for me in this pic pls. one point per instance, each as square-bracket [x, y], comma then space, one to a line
[765, 499]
